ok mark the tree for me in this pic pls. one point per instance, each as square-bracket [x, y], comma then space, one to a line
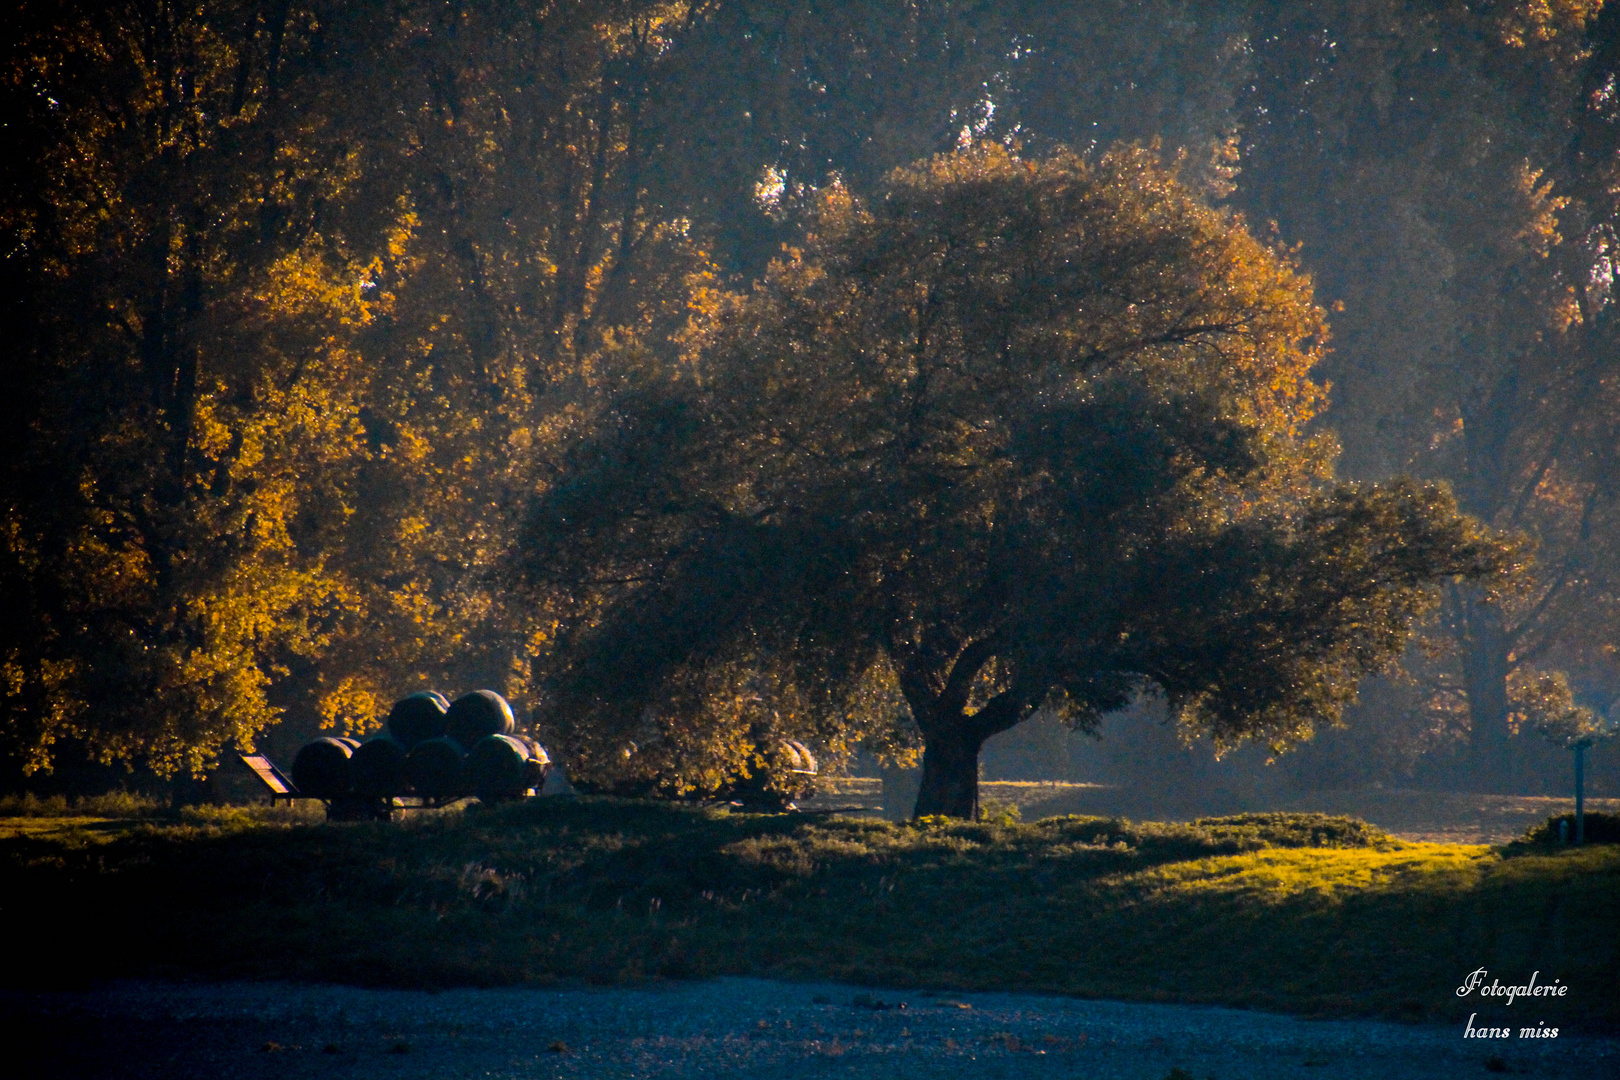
[1445, 169]
[188, 409]
[289, 281]
[536, 224]
[1013, 434]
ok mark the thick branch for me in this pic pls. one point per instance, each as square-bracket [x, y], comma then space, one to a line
[1006, 710]
[954, 697]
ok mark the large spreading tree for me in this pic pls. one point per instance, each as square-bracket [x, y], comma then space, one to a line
[1014, 434]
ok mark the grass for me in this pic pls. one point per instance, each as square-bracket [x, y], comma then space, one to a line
[1296, 912]
[1446, 817]
[117, 804]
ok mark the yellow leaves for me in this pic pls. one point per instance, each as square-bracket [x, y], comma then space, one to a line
[411, 446]
[541, 636]
[411, 531]
[354, 707]
[413, 602]
[1559, 493]
[1521, 23]
[307, 286]
[1538, 230]
[1566, 310]
[402, 233]
[110, 571]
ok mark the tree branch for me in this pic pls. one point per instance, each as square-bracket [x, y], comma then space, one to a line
[1001, 712]
[954, 697]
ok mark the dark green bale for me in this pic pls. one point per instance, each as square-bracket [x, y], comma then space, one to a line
[378, 767]
[321, 768]
[538, 765]
[418, 717]
[475, 715]
[434, 768]
[498, 767]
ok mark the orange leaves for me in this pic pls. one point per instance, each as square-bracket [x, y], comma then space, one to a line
[1538, 216]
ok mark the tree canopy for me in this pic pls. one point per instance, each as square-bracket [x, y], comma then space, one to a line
[1019, 434]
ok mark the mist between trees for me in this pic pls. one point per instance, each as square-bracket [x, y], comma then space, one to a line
[318, 315]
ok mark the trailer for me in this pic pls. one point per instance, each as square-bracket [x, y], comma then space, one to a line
[348, 807]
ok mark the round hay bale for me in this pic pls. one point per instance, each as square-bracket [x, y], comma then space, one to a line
[352, 743]
[539, 765]
[475, 715]
[418, 717]
[799, 758]
[378, 767]
[434, 768]
[321, 768]
[498, 767]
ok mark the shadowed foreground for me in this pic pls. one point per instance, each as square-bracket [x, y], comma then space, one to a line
[1299, 913]
[731, 1027]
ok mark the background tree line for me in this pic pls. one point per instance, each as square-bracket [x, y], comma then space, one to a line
[306, 301]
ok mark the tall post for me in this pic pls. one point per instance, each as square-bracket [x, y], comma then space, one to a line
[1580, 790]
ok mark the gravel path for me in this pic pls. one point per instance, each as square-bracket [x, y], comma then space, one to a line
[745, 1028]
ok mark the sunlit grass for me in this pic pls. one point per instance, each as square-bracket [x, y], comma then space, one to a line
[105, 819]
[1275, 875]
[1297, 912]
[117, 804]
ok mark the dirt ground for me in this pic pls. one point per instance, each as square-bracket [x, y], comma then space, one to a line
[1433, 816]
[745, 1028]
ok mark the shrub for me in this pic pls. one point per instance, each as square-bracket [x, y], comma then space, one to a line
[1600, 828]
[1223, 835]
[1297, 830]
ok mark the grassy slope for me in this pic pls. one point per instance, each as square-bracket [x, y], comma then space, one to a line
[597, 890]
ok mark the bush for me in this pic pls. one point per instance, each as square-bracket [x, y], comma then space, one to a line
[997, 812]
[1297, 830]
[1600, 828]
[1225, 835]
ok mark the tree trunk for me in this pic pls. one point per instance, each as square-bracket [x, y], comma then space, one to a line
[1485, 672]
[952, 737]
[950, 772]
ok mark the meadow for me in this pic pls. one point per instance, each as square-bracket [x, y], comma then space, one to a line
[1296, 912]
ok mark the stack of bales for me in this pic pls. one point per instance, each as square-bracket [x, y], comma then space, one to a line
[433, 748]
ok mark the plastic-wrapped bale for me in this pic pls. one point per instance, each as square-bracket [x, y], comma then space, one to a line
[788, 772]
[418, 717]
[434, 768]
[504, 767]
[475, 715]
[378, 767]
[798, 757]
[321, 768]
[538, 766]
